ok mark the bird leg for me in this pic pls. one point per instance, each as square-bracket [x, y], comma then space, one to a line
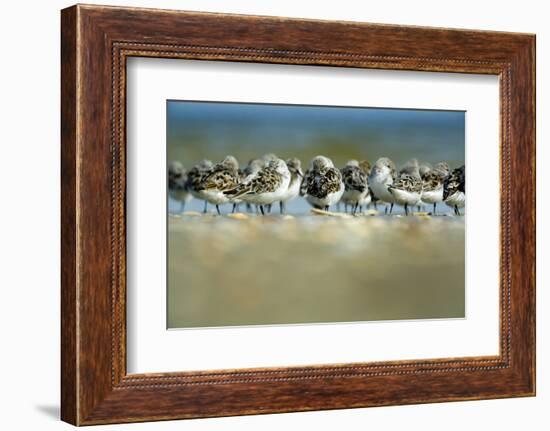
[391, 207]
[435, 204]
[262, 209]
[218, 209]
[282, 207]
[406, 210]
[205, 207]
[234, 208]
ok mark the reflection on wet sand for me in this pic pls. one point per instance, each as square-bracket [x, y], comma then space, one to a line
[243, 269]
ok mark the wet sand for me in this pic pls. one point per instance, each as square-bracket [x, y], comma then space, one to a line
[245, 269]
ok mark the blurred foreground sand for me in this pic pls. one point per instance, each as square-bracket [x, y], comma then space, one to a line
[245, 269]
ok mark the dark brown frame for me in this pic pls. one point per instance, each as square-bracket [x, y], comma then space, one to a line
[95, 43]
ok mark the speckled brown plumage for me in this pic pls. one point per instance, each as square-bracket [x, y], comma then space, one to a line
[354, 178]
[196, 174]
[320, 184]
[265, 181]
[455, 182]
[223, 176]
[408, 183]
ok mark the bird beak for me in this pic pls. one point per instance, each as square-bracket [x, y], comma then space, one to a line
[300, 173]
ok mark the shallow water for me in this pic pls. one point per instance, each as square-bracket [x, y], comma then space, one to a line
[253, 270]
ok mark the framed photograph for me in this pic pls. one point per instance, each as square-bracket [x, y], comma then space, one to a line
[265, 215]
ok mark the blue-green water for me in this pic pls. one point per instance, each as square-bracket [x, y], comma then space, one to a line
[197, 130]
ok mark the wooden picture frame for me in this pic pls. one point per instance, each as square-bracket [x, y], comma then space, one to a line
[95, 43]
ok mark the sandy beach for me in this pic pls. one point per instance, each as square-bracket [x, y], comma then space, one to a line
[244, 269]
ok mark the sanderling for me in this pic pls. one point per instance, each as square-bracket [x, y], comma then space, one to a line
[366, 201]
[454, 192]
[432, 184]
[295, 168]
[269, 157]
[268, 185]
[253, 167]
[322, 185]
[365, 166]
[194, 177]
[266, 159]
[382, 175]
[369, 198]
[222, 177]
[407, 188]
[250, 170]
[424, 168]
[356, 185]
[177, 184]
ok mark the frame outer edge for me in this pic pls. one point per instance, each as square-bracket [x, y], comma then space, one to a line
[88, 397]
[69, 202]
[532, 83]
[528, 61]
[533, 54]
[523, 216]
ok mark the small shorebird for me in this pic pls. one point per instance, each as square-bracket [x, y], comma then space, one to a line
[222, 177]
[423, 169]
[177, 184]
[366, 201]
[250, 170]
[322, 185]
[382, 175]
[266, 159]
[407, 188]
[356, 185]
[365, 166]
[294, 166]
[194, 178]
[269, 157]
[253, 167]
[454, 191]
[268, 185]
[432, 184]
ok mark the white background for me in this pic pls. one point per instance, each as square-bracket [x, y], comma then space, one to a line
[29, 216]
[153, 349]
